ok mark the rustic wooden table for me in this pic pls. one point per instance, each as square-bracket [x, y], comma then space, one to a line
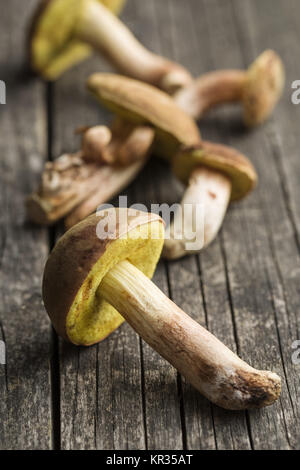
[244, 288]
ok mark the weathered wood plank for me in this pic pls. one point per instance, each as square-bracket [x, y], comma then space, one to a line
[280, 193]
[245, 287]
[230, 428]
[224, 52]
[25, 387]
[201, 294]
[247, 248]
[183, 275]
[101, 386]
[161, 395]
[162, 403]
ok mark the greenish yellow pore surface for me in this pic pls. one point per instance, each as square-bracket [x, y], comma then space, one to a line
[53, 49]
[91, 318]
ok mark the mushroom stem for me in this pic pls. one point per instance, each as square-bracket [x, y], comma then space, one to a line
[210, 90]
[258, 89]
[201, 213]
[106, 33]
[218, 373]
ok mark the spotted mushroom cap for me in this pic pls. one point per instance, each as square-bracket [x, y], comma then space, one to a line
[80, 260]
[142, 104]
[221, 158]
[52, 46]
[263, 87]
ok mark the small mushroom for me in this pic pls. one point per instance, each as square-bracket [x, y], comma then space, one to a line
[94, 279]
[214, 175]
[258, 89]
[87, 24]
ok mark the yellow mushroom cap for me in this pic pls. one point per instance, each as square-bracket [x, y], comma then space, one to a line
[142, 104]
[80, 260]
[263, 87]
[220, 158]
[52, 47]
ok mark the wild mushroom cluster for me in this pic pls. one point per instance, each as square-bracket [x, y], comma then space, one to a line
[94, 280]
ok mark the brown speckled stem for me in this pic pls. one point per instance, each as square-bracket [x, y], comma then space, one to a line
[214, 370]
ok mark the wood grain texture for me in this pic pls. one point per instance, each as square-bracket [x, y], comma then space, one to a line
[252, 267]
[161, 394]
[25, 384]
[244, 288]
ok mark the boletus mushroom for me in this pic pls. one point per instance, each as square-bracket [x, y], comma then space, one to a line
[95, 278]
[258, 89]
[215, 175]
[63, 32]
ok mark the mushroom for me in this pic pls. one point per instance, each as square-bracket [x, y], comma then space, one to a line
[145, 105]
[123, 144]
[258, 89]
[98, 275]
[88, 24]
[94, 144]
[214, 175]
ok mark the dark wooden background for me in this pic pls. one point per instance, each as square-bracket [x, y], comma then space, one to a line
[245, 287]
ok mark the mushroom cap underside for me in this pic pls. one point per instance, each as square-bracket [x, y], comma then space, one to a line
[263, 87]
[220, 158]
[144, 104]
[52, 46]
[80, 260]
